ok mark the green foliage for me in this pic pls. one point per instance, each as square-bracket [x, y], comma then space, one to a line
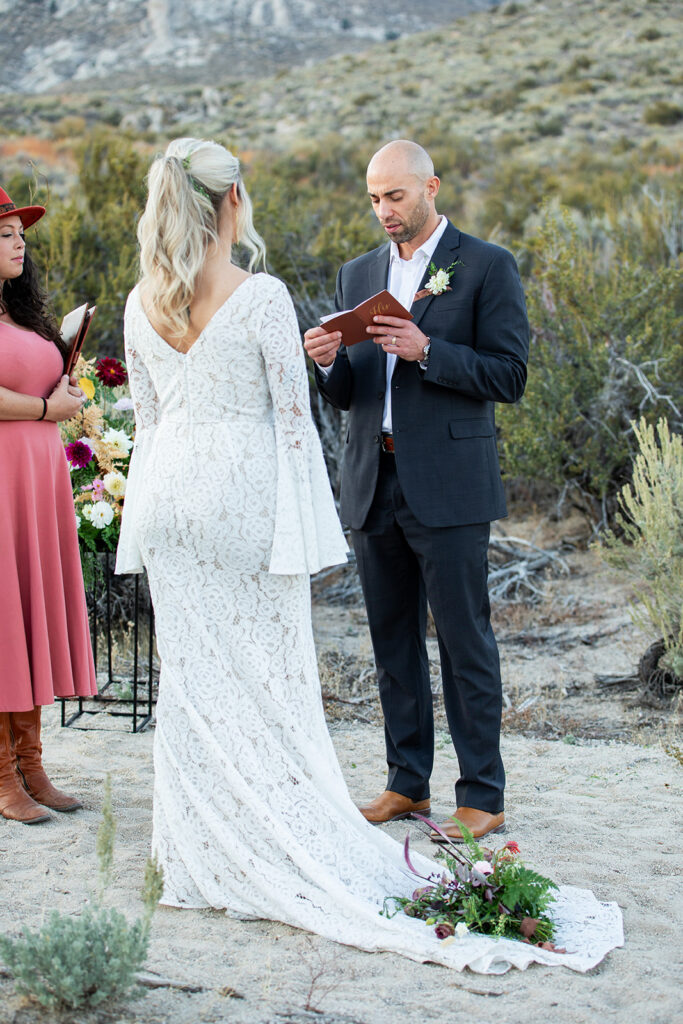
[88, 244]
[76, 962]
[82, 962]
[663, 112]
[606, 345]
[648, 546]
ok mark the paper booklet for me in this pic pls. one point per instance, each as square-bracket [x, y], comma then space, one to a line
[74, 329]
[353, 323]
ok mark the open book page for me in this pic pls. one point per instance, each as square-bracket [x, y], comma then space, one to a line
[353, 323]
[73, 329]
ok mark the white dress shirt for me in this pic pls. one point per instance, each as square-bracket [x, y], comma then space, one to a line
[404, 280]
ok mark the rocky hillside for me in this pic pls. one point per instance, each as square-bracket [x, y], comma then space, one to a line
[537, 81]
[55, 43]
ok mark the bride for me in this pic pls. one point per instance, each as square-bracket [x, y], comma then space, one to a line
[229, 509]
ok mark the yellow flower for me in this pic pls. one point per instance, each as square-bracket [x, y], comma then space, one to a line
[87, 387]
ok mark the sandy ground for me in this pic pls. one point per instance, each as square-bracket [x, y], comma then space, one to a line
[588, 805]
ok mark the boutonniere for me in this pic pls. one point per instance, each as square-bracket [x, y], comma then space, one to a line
[438, 281]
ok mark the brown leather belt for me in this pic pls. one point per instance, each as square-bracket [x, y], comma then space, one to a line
[388, 443]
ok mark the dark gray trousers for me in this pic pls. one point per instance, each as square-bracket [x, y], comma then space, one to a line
[402, 566]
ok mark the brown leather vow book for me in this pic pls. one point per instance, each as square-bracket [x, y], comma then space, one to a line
[73, 330]
[353, 323]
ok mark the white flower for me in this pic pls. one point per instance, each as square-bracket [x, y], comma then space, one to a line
[115, 483]
[483, 867]
[118, 440]
[438, 282]
[101, 514]
[90, 443]
[461, 930]
[86, 511]
[124, 404]
[78, 521]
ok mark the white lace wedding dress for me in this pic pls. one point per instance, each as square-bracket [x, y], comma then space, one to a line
[229, 508]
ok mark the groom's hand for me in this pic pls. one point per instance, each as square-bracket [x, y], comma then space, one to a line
[321, 346]
[399, 337]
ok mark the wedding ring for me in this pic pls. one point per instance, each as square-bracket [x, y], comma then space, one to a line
[393, 340]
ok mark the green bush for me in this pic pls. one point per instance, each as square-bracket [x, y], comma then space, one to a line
[77, 962]
[662, 112]
[88, 244]
[606, 345]
[81, 962]
[649, 545]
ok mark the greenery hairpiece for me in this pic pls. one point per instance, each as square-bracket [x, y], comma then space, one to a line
[196, 185]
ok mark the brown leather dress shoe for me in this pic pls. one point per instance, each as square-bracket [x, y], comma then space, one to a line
[390, 806]
[480, 824]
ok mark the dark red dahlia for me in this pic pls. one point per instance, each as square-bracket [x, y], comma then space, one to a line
[78, 453]
[111, 372]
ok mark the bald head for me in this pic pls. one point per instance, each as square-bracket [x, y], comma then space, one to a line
[403, 189]
[402, 157]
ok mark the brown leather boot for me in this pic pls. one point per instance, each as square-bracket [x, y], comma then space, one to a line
[25, 726]
[15, 803]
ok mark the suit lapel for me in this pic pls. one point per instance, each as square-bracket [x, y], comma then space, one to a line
[444, 254]
[378, 278]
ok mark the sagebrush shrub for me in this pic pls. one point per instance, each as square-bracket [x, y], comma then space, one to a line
[649, 545]
[81, 962]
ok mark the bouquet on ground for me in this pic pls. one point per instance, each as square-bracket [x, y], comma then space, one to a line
[98, 442]
[484, 891]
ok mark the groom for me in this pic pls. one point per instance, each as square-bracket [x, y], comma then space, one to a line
[421, 481]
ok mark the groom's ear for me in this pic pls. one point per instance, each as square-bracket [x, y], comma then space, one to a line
[432, 187]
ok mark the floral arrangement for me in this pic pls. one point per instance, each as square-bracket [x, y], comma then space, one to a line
[98, 442]
[484, 891]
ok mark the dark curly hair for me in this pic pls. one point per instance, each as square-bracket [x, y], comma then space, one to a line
[26, 302]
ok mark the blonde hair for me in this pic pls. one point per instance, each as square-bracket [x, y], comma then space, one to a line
[186, 188]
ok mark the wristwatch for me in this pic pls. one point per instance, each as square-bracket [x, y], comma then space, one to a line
[425, 355]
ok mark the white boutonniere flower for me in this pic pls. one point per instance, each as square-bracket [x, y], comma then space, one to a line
[438, 281]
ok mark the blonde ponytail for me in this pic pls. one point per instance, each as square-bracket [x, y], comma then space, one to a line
[186, 188]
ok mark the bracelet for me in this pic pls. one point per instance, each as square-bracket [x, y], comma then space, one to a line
[42, 416]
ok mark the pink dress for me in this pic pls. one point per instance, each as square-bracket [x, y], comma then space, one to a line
[44, 634]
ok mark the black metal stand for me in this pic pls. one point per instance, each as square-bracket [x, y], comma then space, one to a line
[142, 681]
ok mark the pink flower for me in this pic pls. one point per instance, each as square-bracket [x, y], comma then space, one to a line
[512, 846]
[483, 867]
[78, 454]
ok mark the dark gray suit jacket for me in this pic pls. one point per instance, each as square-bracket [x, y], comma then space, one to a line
[443, 418]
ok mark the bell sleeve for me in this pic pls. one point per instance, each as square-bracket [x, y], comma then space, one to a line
[146, 408]
[308, 535]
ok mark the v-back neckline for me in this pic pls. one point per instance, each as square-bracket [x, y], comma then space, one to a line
[206, 326]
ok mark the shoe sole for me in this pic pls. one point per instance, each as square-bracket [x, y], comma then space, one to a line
[399, 817]
[436, 838]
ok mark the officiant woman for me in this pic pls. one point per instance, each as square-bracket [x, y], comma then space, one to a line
[44, 635]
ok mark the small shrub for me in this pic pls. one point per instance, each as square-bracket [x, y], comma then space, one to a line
[550, 125]
[502, 101]
[649, 548]
[81, 962]
[580, 63]
[662, 112]
[648, 35]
